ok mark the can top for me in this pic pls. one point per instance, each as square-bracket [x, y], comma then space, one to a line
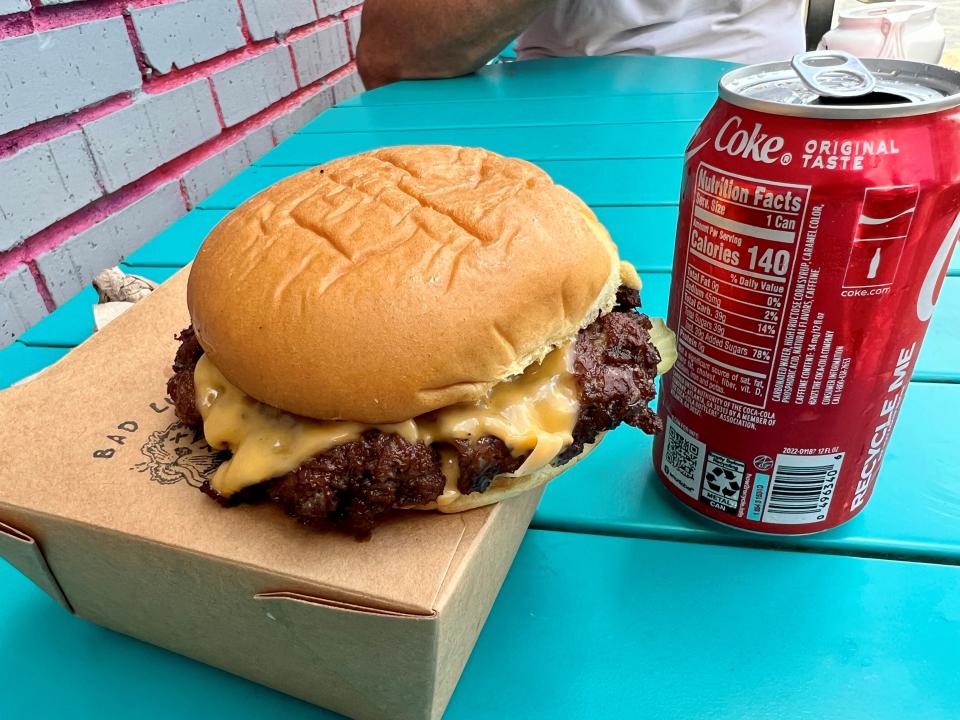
[834, 84]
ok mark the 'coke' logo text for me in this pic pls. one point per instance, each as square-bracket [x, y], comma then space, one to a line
[928, 289]
[754, 144]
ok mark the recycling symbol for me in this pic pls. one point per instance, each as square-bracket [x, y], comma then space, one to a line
[723, 481]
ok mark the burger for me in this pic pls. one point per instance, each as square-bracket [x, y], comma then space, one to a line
[412, 328]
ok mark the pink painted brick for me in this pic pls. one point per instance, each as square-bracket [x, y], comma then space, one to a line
[205, 177]
[353, 22]
[44, 183]
[321, 52]
[331, 7]
[202, 179]
[181, 34]
[248, 87]
[70, 266]
[131, 142]
[287, 125]
[56, 72]
[11, 6]
[259, 142]
[346, 87]
[20, 304]
[52, 73]
[275, 18]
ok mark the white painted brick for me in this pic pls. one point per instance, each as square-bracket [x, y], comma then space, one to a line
[51, 73]
[320, 53]
[12, 6]
[270, 18]
[184, 33]
[42, 184]
[329, 7]
[259, 142]
[20, 304]
[129, 143]
[252, 85]
[201, 180]
[287, 125]
[347, 87]
[70, 266]
[353, 22]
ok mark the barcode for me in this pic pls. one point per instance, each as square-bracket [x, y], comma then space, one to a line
[683, 458]
[802, 488]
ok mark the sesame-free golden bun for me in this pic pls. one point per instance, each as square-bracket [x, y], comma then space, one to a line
[381, 286]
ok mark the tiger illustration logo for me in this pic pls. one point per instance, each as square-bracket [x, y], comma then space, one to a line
[177, 454]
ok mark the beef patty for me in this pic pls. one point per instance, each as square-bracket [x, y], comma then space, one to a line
[352, 486]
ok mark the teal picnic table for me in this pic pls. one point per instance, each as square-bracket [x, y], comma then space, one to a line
[620, 603]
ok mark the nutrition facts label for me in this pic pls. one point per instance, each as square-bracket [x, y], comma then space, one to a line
[741, 252]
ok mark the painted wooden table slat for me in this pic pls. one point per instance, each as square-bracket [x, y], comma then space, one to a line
[584, 627]
[178, 244]
[643, 182]
[599, 627]
[72, 323]
[19, 361]
[554, 142]
[574, 78]
[517, 112]
[915, 511]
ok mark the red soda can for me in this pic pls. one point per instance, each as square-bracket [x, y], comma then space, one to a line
[820, 205]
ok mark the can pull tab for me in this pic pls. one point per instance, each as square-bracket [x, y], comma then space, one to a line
[833, 73]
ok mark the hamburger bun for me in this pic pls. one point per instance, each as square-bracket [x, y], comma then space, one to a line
[454, 268]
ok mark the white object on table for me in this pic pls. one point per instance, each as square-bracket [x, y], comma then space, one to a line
[105, 313]
[895, 30]
[118, 292]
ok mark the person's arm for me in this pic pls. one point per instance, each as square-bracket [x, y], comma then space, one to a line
[408, 39]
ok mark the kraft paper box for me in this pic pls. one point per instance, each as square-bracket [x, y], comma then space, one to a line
[99, 506]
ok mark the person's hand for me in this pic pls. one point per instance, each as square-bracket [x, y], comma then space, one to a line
[409, 39]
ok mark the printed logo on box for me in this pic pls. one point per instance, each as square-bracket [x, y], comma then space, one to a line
[178, 454]
[885, 219]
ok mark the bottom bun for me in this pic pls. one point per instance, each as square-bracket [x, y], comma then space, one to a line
[506, 486]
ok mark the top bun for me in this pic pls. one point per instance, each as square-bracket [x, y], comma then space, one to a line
[385, 285]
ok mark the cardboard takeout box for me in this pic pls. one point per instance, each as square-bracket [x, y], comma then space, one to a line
[99, 507]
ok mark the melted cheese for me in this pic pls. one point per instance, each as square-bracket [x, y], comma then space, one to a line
[532, 413]
[629, 276]
[450, 465]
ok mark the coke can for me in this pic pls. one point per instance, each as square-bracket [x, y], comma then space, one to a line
[820, 206]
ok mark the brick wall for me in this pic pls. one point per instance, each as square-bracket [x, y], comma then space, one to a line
[118, 116]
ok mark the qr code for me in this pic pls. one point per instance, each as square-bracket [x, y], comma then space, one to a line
[683, 459]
